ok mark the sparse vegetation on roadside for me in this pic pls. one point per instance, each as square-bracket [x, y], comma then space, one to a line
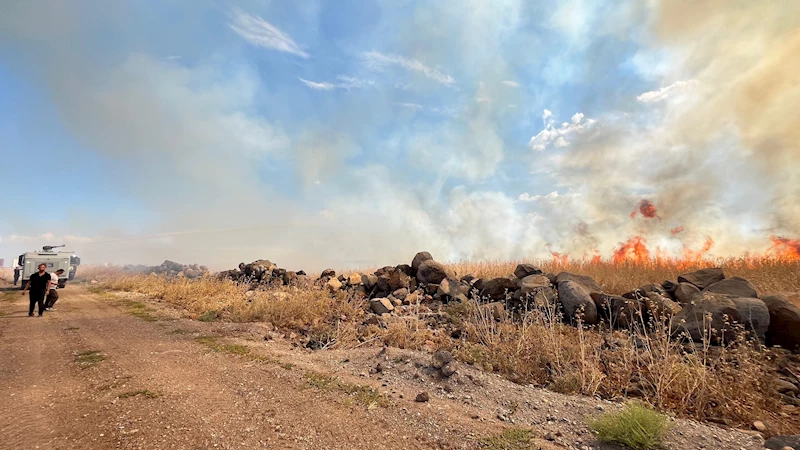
[534, 348]
[358, 394]
[89, 358]
[214, 344]
[512, 438]
[635, 426]
[141, 311]
[142, 392]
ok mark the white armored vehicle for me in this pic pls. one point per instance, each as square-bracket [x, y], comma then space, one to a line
[54, 260]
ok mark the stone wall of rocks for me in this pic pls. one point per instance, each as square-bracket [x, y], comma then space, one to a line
[733, 305]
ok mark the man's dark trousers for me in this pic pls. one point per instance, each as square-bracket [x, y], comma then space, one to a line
[36, 297]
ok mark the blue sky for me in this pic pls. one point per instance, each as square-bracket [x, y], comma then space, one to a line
[355, 133]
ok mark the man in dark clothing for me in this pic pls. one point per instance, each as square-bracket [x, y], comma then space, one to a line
[39, 285]
[16, 275]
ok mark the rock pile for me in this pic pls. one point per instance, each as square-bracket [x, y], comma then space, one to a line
[262, 273]
[730, 306]
[170, 269]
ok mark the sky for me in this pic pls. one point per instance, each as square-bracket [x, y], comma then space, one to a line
[356, 133]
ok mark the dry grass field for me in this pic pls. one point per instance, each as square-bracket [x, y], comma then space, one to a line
[734, 385]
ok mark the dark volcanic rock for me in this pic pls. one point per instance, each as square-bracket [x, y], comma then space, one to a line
[784, 322]
[524, 270]
[431, 271]
[619, 311]
[703, 278]
[587, 283]
[420, 258]
[684, 292]
[497, 288]
[736, 286]
[576, 301]
[724, 313]
[754, 315]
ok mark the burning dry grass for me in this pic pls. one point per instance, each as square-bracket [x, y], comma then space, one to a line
[767, 274]
[733, 384]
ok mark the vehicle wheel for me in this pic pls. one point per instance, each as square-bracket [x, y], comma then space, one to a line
[62, 284]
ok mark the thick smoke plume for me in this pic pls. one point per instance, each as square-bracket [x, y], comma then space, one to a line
[714, 150]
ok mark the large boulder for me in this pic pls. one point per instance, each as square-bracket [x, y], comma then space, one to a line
[754, 315]
[524, 270]
[369, 280]
[533, 283]
[736, 286]
[722, 313]
[576, 302]
[497, 288]
[703, 278]
[585, 281]
[784, 322]
[431, 271]
[534, 290]
[392, 281]
[660, 308]
[452, 288]
[406, 269]
[619, 311]
[328, 273]
[420, 258]
[684, 292]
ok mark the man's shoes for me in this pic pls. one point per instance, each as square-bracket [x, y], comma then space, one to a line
[49, 309]
[40, 315]
[30, 315]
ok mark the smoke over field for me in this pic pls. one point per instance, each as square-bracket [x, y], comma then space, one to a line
[637, 131]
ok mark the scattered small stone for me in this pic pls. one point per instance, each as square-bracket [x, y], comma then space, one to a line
[550, 436]
[422, 397]
[440, 358]
[449, 369]
[759, 426]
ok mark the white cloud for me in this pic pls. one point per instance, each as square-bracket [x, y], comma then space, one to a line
[324, 86]
[172, 57]
[258, 31]
[377, 61]
[346, 82]
[665, 92]
[557, 135]
[511, 83]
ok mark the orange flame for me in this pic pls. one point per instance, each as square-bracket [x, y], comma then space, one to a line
[558, 258]
[676, 230]
[647, 209]
[634, 249]
[785, 248]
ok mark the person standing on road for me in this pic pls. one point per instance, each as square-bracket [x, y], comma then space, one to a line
[52, 297]
[16, 274]
[39, 285]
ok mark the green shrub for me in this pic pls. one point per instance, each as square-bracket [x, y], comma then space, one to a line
[636, 427]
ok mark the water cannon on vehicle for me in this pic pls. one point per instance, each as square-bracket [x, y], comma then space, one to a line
[51, 258]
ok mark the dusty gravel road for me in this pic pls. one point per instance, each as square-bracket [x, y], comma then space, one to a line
[156, 388]
[103, 372]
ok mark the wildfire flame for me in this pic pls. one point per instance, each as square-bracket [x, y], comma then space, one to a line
[785, 248]
[676, 230]
[646, 208]
[634, 250]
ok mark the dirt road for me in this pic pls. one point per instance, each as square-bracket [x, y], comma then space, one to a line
[103, 373]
